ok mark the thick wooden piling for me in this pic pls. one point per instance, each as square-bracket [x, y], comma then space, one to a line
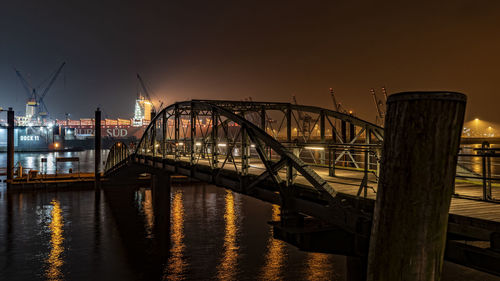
[422, 136]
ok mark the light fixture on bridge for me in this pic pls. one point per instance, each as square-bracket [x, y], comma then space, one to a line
[180, 143]
[198, 144]
[252, 145]
[222, 145]
[314, 147]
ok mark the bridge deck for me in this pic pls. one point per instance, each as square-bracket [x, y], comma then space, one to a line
[347, 181]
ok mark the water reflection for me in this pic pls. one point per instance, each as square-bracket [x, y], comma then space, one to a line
[318, 267]
[33, 160]
[147, 207]
[55, 260]
[176, 264]
[275, 255]
[227, 266]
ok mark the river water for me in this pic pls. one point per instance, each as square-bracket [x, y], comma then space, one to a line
[214, 234]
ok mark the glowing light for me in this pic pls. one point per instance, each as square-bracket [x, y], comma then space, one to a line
[147, 206]
[275, 255]
[54, 259]
[180, 143]
[252, 145]
[157, 145]
[230, 255]
[314, 148]
[198, 144]
[477, 119]
[317, 267]
[176, 263]
[222, 144]
[56, 144]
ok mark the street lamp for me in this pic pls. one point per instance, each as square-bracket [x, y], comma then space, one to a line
[476, 121]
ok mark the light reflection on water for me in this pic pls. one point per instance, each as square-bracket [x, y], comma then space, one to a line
[214, 234]
[146, 207]
[319, 267]
[275, 255]
[176, 263]
[228, 264]
[33, 160]
[55, 260]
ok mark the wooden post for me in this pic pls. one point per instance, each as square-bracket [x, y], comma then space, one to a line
[10, 145]
[97, 144]
[422, 137]
[160, 191]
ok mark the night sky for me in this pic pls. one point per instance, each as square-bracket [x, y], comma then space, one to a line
[268, 50]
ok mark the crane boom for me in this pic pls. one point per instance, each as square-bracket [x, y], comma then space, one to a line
[385, 93]
[26, 85]
[146, 92]
[54, 77]
[334, 100]
[301, 117]
[377, 105]
[46, 90]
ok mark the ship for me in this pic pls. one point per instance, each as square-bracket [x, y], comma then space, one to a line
[33, 133]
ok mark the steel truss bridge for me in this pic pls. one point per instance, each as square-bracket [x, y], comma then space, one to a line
[313, 162]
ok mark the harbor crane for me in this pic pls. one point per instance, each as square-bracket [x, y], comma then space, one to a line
[380, 106]
[337, 106]
[306, 120]
[36, 106]
[146, 93]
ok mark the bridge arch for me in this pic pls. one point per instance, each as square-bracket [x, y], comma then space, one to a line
[224, 135]
[118, 153]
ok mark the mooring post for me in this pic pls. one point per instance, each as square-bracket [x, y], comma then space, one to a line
[97, 144]
[10, 145]
[160, 191]
[419, 158]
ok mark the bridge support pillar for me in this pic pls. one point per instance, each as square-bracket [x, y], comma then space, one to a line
[422, 137]
[160, 191]
[288, 214]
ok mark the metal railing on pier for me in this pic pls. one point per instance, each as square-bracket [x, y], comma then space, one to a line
[478, 173]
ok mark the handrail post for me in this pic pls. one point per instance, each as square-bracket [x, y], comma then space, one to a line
[164, 133]
[331, 170]
[322, 126]
[192, 151]
[289, 167]
[176, 131]
[486, 171]
[410, 220]
[215, 128]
